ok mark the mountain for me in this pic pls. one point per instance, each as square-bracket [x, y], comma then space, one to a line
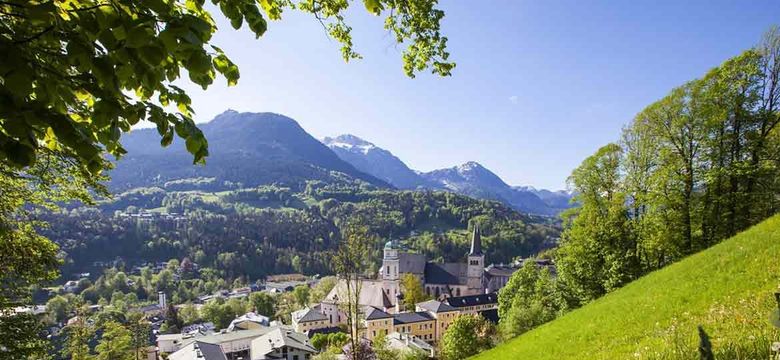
[246, 150]
[470, 179]
[727, 289]
[376, 161]
[475, 180]
[560, 199]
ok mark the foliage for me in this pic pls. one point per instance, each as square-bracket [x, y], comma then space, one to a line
[78, 334]
[321, 289]
[228, 237]
[413, 291]
[332, 340]
[531, 297]
[116, 343]
[467, 335]
[301, 293]
[728, 289]
[262, 303]
[68, 67]
[26, 257]
[360, 350]
[692, 169]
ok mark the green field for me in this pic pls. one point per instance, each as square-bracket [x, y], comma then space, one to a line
[728, 289]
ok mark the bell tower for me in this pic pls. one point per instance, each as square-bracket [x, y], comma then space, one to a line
[476, 263]
[390, 267]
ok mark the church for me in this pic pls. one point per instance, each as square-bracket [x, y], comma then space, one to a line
[439, 280]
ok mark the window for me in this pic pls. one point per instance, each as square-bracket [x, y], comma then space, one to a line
[295, 357]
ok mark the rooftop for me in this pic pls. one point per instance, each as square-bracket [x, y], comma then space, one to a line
[472, 300]
[411, 317]
[436, 306]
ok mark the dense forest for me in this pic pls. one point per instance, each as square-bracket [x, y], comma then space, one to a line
[272, 229]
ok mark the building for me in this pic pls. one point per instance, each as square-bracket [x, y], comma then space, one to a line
[248, 321]
[442, 312]
[234, 344]
[440, 280]
[406, 342]
[282, 344]
[198, 350]
[309, 319]
[485, 305]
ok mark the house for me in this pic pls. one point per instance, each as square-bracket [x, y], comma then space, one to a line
[248, 321]
[420, 324]
[198, 350]
[234, 344]
[282, 344]
[70, 286]
[309, 319]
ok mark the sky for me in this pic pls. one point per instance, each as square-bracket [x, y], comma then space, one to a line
[539, 85]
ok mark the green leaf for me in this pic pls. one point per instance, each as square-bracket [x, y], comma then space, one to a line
[373, 6]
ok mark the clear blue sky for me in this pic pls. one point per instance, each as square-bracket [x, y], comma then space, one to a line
[539, 85]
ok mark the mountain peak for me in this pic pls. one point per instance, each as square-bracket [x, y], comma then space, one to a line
[349, 142]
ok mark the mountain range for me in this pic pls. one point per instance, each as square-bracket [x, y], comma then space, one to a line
[252, 149]
[470, 178]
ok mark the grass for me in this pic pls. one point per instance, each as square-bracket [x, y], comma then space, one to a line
[728, 289]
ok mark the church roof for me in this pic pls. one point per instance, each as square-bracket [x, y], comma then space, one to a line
[476, 242]
[446, 274]
[411, 263]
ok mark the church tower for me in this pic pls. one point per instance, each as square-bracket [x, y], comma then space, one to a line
[476, 264]
[390, 267]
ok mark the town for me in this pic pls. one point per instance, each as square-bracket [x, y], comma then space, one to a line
[450, 290]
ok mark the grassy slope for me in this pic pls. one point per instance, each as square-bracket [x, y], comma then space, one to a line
[727, 289]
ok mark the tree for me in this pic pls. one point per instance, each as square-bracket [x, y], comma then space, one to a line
[321, 289]
[301, 293]
[116, 343]
[263, 303]
[350, 263]
[139, 329]
[467, 335]
[381, 349]
[27, 257]
[69, 66]
[78, 334]
[172, 321]
[530, 298]
[360, 350]
[58, 308]
[412, 289]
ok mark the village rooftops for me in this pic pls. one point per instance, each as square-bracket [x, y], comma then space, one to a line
[472, 300]
[411, 317]
[308, 315]
[436, 306]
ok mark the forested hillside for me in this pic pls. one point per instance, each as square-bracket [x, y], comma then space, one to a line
[270, 229]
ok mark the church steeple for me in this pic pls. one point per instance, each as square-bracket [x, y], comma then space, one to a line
[476, 242]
